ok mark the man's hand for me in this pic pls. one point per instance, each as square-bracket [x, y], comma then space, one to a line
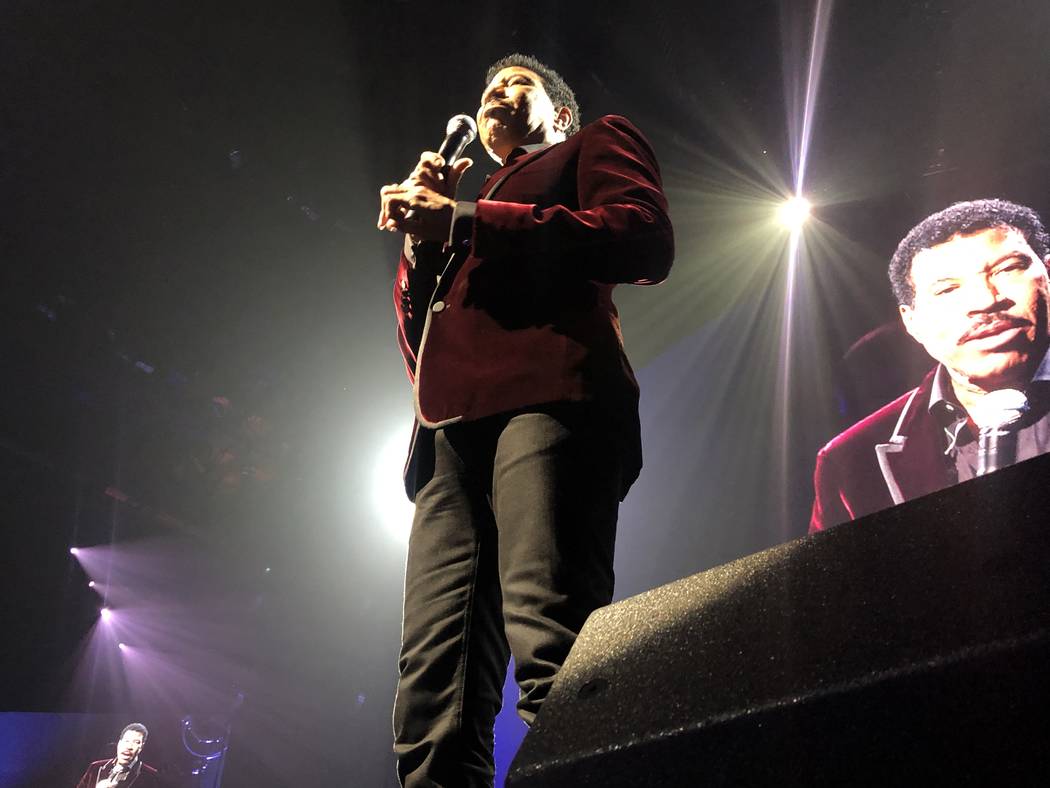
[423, 213]
[422, 204]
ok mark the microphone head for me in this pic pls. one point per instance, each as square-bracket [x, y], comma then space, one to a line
[999, 409]
[463, 124]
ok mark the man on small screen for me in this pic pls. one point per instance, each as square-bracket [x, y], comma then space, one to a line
[126, 768]
[971, 284]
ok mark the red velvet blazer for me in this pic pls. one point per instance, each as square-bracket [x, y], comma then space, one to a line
[143, 776]
[849, 480]
[522, 314]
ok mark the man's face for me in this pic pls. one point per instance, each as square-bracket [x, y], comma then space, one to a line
[981, 307]
[516, 110]
[129, 746]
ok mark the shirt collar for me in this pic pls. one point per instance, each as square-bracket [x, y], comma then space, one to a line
[946, 407]
[943, 404]
[524, 150]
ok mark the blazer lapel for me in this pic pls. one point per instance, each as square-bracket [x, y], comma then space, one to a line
[489, 190]
[912, 461]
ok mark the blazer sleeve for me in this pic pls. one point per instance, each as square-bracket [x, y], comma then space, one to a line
[88, 780]
[828, 507]
[620, 233]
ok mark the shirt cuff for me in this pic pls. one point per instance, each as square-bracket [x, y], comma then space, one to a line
[461, 233]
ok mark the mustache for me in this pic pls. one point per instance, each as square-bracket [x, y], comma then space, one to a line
[993, 323]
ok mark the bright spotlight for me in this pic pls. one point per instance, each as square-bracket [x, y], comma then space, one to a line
[73, 550]
[122, 647]
[91, 583]
[794, 213]
[106, 614]
[391, 506]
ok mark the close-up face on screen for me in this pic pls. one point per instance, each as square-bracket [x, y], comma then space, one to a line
[528, 395]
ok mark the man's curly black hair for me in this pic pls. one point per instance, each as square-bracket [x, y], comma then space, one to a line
[138, 727]
[962, 218]
[557, 88]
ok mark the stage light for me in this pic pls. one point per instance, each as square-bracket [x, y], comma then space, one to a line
[393, 509]
[106, 614]
[91, 584]
[794, 213]
[73, 550]
[122, 647]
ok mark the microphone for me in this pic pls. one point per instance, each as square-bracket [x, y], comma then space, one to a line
[996, 416]
[459, 133]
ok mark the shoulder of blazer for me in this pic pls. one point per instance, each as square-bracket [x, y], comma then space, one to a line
[605, 126]
[892, 419]
[612, 126]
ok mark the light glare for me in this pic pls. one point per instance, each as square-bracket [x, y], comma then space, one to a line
[106, 614]
[392, 507]
[794, 212]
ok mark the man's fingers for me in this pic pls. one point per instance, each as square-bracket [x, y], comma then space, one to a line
[385, 194]
[382, 208]
[394, 197]
[396, 207]
[456, 172]
[399, 201]
[431, 159]
[429, 164]
[429, 172]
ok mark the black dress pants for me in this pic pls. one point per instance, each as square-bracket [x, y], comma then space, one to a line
[511, 549]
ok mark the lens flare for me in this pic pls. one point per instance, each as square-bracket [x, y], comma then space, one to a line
[794, 213]
[392, 508]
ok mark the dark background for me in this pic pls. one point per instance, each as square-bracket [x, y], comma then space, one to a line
[199, 373]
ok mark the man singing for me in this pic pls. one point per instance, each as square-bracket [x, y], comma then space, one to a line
[527, 430]
[972, 286]
[126, 768]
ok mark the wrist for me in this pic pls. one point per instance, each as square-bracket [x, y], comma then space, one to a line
[461, 232]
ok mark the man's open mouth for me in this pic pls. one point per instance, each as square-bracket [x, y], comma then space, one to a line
[494, 105]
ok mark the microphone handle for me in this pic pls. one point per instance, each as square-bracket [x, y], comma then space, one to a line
[450, 150]
[996, 448]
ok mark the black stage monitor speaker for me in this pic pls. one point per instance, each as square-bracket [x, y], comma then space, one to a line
[908, 648]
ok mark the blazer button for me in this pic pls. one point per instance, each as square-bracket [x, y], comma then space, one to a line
[438, 306]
